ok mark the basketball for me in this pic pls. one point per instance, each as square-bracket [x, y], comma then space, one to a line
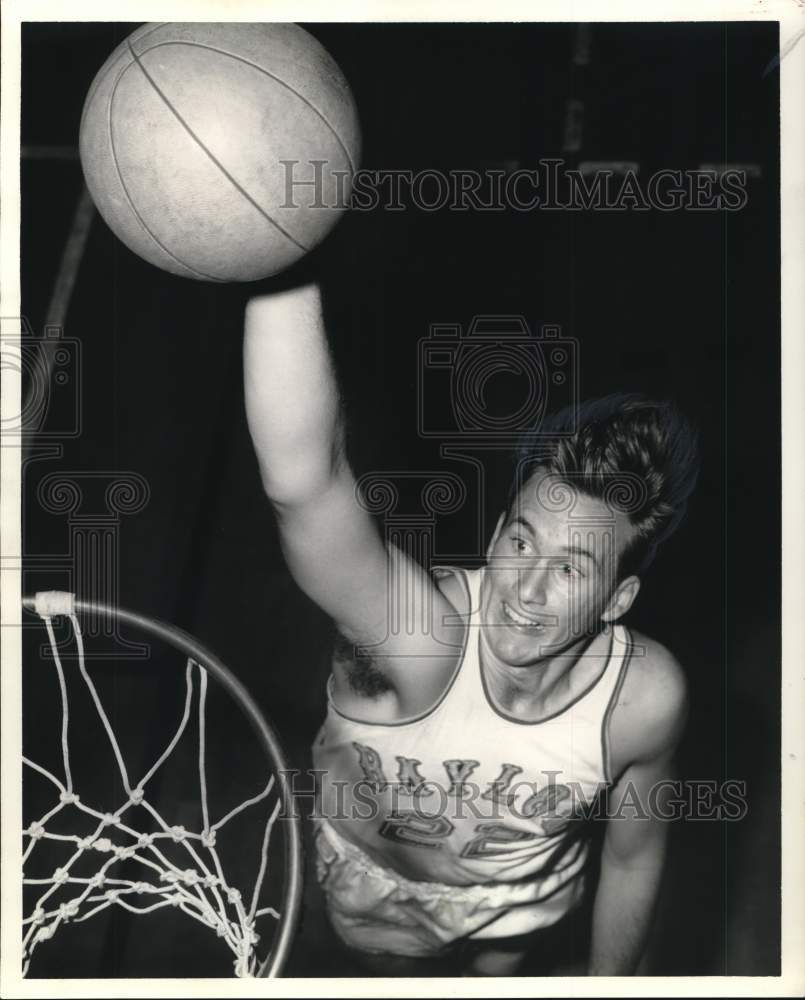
[220, 152]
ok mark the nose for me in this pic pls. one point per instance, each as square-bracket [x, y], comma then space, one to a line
[532, 584]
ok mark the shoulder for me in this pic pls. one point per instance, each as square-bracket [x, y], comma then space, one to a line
[452, 584]
[394, 684]
[655, 678]
[652, 705]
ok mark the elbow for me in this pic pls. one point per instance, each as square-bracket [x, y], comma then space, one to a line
[301, 482]
[289, 491]
[301, 466]
[646, 855]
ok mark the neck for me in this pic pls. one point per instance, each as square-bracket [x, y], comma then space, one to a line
[532, 681]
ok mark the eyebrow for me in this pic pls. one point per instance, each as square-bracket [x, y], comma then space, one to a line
[576, 550]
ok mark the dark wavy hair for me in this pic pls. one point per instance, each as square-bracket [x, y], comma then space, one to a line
[648, 443]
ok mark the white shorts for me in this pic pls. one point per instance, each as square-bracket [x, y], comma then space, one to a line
[377, 910]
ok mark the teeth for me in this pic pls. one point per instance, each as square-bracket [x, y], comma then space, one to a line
[519, 620]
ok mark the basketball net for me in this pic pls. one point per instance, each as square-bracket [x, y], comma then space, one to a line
[142, 866]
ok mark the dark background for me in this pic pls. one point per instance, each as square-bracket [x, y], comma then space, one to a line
[682, 304]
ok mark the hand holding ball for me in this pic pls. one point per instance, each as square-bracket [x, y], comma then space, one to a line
[221, 152]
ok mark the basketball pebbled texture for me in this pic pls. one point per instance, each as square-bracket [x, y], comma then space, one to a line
[182, 136]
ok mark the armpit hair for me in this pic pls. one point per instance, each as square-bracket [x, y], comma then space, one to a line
[363, 675]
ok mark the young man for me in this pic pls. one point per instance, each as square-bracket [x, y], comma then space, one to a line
[461, 750]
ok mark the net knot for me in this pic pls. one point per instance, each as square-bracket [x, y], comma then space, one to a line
[103, 844]
[145, 840]
[112, 895]
[68, 798]
[233, 896]
[220, 929]
[136, 796]
[178, 833]
[209, 881]
[189, 876]
[140, 887]
[69, 909]
[251, 936]
[38, 916]
[170, 877]
[109, 819]
[46, 932]
[36, 830]
[85, 843]
[123, 853]
[51, 603]
[208, 838]
[97, 880]
[60, 876]
[175, 899]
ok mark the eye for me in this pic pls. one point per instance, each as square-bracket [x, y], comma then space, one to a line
[520, 545]
[568, 571]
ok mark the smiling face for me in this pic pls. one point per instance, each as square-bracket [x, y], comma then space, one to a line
[551, 578]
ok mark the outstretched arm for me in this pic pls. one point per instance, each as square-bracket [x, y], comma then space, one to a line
[292, 403]
[330, 542]
[294, 415]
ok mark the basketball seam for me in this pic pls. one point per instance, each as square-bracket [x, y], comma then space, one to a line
[101, 76]
[232, 180]
[265, 72]
[129, 198]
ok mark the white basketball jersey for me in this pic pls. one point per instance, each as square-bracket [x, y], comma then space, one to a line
[464, 794]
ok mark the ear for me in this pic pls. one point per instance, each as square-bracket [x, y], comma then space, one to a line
[498, 529]
[622, 599]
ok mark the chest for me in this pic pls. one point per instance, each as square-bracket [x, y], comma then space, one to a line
[469, 757]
